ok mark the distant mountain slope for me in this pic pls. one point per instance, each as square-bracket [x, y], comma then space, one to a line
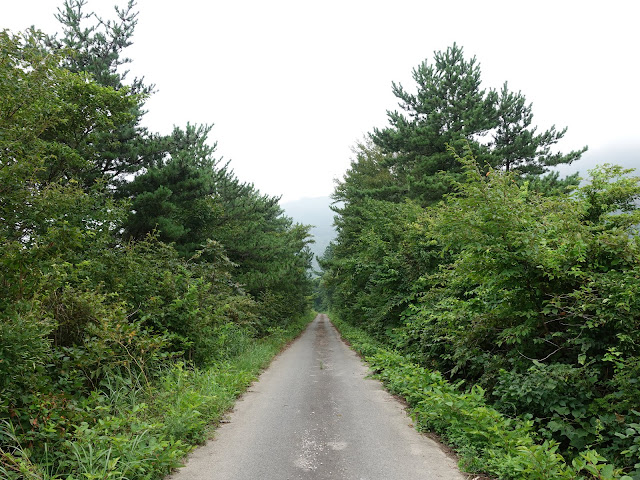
[624, 154]
[316, 212]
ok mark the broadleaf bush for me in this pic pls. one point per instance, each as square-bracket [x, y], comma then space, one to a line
[486, 440]
[143, 285]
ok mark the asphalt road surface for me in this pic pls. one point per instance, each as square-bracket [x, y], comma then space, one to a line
[314, 415]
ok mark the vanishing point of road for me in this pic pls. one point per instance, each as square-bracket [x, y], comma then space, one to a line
[313, 414]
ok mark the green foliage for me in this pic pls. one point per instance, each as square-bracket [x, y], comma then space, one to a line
[382, 248]
[451, 108]
[95, 46]
[189, 201]
[128, 431]
[271, 253]
[320, 298]
[530, 297]
[67, 118]
[126, 326]
[486, 440]
[24, 354]
[388, 246]
[174, 196]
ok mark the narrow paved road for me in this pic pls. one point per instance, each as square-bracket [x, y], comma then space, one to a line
[314, 415]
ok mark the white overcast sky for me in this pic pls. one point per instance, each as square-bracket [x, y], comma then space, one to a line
[292, 85]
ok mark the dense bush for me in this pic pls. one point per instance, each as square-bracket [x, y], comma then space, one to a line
[118, 346]
[486, 440]
[131, 431]
[531, 297]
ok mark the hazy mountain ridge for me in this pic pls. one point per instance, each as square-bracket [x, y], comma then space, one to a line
[624, 154]
[314, 211]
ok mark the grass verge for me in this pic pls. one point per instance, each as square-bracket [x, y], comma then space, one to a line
[136, 431]
[485, 440]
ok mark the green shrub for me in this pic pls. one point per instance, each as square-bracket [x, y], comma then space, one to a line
[486, 440]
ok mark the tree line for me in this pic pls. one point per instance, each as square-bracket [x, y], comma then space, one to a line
[123, 252]
[459, 246]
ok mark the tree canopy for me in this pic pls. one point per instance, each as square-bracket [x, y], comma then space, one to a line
[458, 246]
[95, 46]
[450, 108]
[125, 255]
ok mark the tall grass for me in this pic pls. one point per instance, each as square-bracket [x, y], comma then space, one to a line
[486, 440]
[132, 430]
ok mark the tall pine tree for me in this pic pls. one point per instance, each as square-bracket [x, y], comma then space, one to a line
[450, 108]
[94, 45]
[175, 194]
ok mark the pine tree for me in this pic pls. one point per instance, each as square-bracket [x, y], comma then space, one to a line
[515, 144]
[175, 194]
[450, 108]
[95, 46]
